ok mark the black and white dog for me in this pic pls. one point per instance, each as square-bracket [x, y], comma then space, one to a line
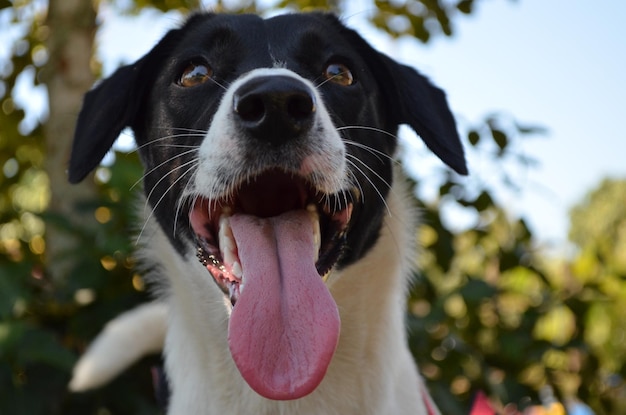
[278, 222]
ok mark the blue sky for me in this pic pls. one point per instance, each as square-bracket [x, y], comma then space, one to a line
[560, 64]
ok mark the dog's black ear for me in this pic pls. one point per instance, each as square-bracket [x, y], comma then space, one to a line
[114, 104]
[413, 100]
[107, 110]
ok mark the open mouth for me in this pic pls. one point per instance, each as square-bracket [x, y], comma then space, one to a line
[274, 194]
[269, 247]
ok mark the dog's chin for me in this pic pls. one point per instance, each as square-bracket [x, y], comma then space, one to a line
[271, 197]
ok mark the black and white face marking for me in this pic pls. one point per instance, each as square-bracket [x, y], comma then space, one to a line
[271, 148]
[208, 150]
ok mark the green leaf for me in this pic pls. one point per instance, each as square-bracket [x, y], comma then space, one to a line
[465, 6]
[484, 201]
[473, 137]
[12, 287]
[500, 138]
[526, 129]
[477, 290]
[24, 344]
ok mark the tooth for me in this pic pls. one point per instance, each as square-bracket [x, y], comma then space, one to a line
[326, 276]
[224, 226]
[317, 238]
[229, 257]
[225, 240]
[315, 221]
[236, 270]
[228, 246]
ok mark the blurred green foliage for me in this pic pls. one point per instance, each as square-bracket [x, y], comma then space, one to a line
[487, 311]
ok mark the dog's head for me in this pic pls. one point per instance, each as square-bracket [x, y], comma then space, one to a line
[267, 147]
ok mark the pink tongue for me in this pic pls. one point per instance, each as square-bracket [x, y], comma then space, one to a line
[284, 328]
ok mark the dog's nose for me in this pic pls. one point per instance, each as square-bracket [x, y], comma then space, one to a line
[274, 109]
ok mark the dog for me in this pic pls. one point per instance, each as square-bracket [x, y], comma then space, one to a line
[279, 226]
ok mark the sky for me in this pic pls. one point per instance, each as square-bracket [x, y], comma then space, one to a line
[560, 64]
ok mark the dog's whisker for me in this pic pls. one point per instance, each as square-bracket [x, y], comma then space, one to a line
[181, 201]
[155, 168]
[381, 156]
[330, 79]
[373, 171]
[178, 146]
[156, 205]
[345, 199]
[224, 87]
[187, 133]
[356, 183]
[165, 176]
[366, 127]
[380, 195]
[185, 129]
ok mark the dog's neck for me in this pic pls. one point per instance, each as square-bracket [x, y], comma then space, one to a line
[371, 299]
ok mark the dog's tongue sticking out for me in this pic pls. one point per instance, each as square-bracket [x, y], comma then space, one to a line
[284, 329]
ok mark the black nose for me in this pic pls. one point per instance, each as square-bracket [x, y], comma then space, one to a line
[274, 109]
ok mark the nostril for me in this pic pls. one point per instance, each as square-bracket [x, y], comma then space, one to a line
[300, 106]
[249, 107]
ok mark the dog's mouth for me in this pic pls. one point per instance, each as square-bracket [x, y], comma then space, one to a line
[273, 194]
[270, 247]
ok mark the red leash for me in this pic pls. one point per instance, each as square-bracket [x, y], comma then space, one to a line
[481, 404]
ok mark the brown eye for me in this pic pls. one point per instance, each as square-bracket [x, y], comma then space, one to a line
[195, 74]
[339, 74]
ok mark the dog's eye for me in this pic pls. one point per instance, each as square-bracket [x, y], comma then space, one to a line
[195, 74]
[339, 74]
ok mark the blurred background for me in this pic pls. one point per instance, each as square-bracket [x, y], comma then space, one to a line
[522, 285]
